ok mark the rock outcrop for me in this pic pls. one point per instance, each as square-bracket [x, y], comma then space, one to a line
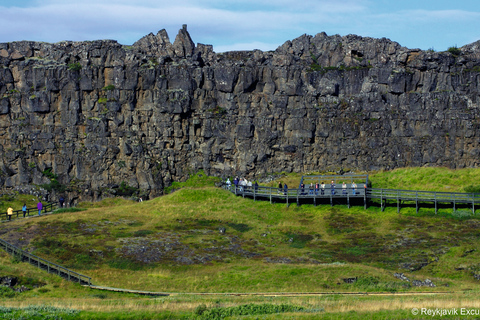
[98, 113]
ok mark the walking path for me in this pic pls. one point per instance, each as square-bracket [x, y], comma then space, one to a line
[336, 191]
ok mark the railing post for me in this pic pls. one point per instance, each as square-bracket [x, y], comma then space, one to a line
[473, 203]
[416, 200]
[454, 208]
[435, 199]
[365, 198]
[298, 203]
[398, 201]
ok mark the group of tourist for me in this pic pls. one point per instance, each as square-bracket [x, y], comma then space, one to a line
[24, 210]
[241, 184]
[314, 189]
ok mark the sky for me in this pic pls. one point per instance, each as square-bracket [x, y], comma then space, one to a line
[243, 24]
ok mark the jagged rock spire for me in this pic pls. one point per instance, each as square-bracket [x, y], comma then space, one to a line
[159, 45]
[183, 45]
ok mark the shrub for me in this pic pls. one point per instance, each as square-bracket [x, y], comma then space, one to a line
[102, 100]
[472, 188]
[109, 87]
[6, 292]
[75, 66]
[454, 51]
[125, 190]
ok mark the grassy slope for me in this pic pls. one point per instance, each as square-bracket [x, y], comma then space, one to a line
[370, 245]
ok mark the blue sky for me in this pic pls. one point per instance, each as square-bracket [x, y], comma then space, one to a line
[246, 24]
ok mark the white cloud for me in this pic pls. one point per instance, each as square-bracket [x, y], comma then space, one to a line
[229, 24]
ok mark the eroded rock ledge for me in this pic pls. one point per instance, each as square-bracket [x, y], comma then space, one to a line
[98, 113]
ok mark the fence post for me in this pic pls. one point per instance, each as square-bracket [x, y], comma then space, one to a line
[416, 200]
[365, 198]
[398, 201]
[454, 208]
[473, 203]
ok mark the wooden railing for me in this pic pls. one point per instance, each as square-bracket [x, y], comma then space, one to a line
[298, 195]
[49, 206]
[306, 194]
[423, 196]
[48, 266]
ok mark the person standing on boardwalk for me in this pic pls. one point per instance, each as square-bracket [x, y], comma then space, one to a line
[311, 188]
[285, 189]
[279, 187]
[317, 186]
[332, 186]
[39, 207]
[344, 188]
[61, 201]
[24, 209]
[354, 187]
[9, 213]
[322, 190]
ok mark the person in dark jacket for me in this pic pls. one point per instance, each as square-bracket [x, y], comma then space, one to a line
[285, 189]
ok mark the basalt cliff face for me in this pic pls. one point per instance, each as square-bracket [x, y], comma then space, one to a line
[98, 113]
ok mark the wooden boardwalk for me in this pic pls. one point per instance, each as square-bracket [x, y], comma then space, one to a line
[362, 195]
[43, 264]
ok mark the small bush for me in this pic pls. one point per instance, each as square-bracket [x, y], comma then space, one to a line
[6, 292]
[108, 88]
[454, 51]
[240, 227]
[462, 214]
[125, 190]
[75, 66]
[472, 188]
[142, 233]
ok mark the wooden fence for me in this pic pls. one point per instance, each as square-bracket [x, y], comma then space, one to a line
[48, 266]
[348, 195]
[49, 206]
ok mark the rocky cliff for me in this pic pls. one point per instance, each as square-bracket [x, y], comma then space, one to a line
[91, 115]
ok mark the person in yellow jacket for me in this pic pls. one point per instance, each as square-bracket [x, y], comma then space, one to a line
[10, 213]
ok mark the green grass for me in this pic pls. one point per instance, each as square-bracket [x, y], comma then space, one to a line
[265, 248]
[428, 179]
[16, 201]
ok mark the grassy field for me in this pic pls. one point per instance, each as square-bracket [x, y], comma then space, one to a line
[269, 255]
